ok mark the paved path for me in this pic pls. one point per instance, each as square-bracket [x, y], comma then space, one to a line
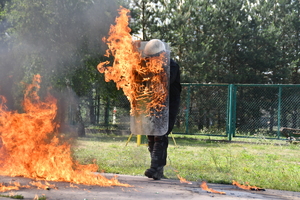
[145, 188]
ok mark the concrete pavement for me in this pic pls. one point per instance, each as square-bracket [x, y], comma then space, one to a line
[144, 188]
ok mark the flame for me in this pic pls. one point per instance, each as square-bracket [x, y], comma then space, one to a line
[142, 80]
[205, 187]
[17, 186]
[73, 186]
[45, 186]
[183, 180]
[4, 188]
[12, 186]
[246, 187]
[30, 145]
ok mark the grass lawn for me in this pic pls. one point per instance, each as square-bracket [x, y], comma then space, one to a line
[266, 164]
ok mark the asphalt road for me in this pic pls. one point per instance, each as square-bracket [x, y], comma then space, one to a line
[144, 188]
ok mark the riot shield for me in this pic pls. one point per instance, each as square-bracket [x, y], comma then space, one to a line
[150, 118]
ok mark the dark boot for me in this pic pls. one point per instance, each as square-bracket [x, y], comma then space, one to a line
[155, 173]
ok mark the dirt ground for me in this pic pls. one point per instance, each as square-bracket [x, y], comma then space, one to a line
[144, 188]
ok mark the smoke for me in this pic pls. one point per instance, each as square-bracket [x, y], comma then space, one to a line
[52, 38]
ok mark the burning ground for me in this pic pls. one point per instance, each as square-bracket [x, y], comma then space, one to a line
[31, 146]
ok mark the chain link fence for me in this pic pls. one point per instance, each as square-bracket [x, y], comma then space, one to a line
[240, 110]
[226, 110]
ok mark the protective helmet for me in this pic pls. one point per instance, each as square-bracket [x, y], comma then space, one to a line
[154, 47]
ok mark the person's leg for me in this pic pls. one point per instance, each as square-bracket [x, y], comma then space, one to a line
[150, 143]
[159, 154]
[158, 157]
[150, 148]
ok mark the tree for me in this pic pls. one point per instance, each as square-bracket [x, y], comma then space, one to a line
[226, 41]
[286, 20]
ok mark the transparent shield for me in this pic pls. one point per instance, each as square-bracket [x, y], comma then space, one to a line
[153, 121]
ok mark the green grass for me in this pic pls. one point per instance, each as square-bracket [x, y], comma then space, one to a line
[42, 197]
[263, 163]
[12, 196]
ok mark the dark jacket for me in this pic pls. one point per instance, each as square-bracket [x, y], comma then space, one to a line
[174, 93]
[175, 86]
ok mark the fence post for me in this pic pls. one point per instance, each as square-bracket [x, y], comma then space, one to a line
[231, 111]
[279, 112]
[187, 110]
[234, 109]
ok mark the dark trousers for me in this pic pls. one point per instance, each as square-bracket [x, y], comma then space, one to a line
[158, 145]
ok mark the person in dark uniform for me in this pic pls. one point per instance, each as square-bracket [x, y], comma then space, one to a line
[158, 145]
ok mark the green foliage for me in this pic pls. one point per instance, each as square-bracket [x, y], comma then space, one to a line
[227, 41]
[218, 41]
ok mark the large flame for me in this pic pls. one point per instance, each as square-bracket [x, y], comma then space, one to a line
[30, 145]
[143, 80]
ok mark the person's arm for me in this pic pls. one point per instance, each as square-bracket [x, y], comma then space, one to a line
[174, 70]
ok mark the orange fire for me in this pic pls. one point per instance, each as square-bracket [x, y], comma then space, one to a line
[246, 187]
[30, 145]
[45, 186]
[143, 80]
[4, 188]
[205, 187]
[183, 180]
[17, 186]
[12, 186]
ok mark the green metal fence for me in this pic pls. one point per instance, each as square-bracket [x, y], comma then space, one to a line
[238, 110]
[226, 110]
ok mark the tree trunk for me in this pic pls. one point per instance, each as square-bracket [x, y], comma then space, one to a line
[106, 114]
[98, 107]
[80, 124]
[92, 109]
